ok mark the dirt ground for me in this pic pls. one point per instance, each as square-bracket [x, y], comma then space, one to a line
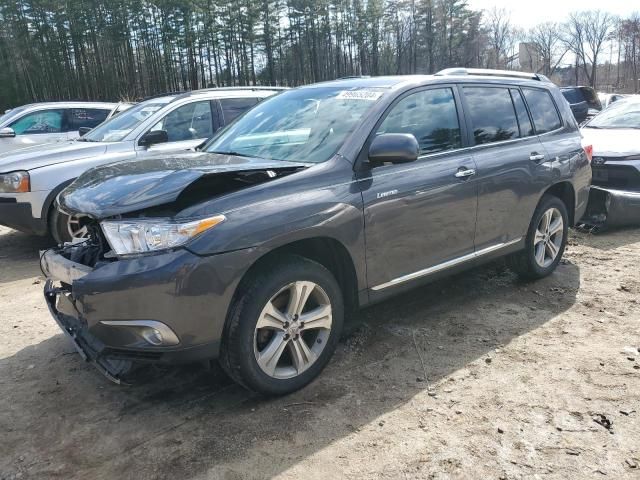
[477, 376]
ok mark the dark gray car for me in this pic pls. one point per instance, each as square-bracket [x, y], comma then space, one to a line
[318, 201]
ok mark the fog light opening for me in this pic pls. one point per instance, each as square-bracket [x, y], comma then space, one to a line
[153, 336]
[153, 332]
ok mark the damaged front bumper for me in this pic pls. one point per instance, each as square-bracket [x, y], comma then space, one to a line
[609, 207]
[165, 308]
[89, 347]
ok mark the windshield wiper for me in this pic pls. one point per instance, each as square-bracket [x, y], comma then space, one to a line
[235, 154]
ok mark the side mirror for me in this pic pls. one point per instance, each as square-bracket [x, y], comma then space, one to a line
[7, 132]
[394, 148]
[84, 130]
[154, 137]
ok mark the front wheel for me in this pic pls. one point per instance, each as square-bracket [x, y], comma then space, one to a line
[67, 228]
[283, 327]
[545, 242]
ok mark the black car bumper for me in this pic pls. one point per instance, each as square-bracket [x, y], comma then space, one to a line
[609, 207]
[18, 216]
[107, 310]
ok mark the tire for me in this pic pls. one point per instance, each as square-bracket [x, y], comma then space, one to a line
[59, 227]
[254, 330]
[530, 263]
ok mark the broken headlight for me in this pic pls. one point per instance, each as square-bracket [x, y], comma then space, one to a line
[128, 237]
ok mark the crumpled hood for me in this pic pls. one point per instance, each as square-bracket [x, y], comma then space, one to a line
[618, 142]
[131, 185]
[49, 154]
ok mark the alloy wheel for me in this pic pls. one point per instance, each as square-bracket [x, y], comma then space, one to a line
[292, 330]
[548, 237]
[77, 227]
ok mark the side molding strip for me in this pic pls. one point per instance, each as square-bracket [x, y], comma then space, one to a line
[445, 265]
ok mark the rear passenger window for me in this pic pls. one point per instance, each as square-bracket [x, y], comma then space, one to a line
[430, 116]
[543, 110]
[526, 129]
[492, 114]
[87, 117]
[232, 108]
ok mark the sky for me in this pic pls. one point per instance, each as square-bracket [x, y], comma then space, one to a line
[526, 14]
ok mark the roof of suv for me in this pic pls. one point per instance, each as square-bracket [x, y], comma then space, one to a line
[221, 92]
[455, 74]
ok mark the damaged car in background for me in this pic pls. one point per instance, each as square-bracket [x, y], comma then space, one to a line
[315, 202]
[614, 200]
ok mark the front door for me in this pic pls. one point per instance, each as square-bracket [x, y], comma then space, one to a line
[421, 215]
[34, 128]
[187, 126]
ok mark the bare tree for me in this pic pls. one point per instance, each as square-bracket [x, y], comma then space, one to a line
[586, 33]
[545, 38]
[500, 33]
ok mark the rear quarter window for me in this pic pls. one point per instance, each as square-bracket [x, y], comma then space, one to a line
[543, 110]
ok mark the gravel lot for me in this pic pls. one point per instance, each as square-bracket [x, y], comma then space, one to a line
[477, 376]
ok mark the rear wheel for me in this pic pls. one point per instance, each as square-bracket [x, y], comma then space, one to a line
[546, 240]
[284, 326]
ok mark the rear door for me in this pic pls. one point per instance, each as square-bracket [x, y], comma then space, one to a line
[508, 156]
[232, 108]
[419, 216]
[560, 138]
[85, 117]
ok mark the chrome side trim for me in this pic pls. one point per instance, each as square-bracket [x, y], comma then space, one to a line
[445, 265]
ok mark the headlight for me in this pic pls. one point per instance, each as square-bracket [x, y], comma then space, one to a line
[14, 182]
[139, 236]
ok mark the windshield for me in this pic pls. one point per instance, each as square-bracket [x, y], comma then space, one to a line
[622, 114]
[305, 125]
[119, 126]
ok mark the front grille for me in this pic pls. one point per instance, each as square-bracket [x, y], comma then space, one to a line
[616, 176]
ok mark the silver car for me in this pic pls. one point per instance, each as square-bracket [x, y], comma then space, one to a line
[39, 123]
[31, 178]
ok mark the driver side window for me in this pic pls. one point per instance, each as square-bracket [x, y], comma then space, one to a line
[43, 121]
[430, 116]
[192, 121]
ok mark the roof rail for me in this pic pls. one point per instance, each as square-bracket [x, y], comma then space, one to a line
[492, 73]
[248, 87]
[353, 76]
[212, 89]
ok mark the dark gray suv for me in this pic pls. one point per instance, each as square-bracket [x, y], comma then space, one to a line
[315, 202]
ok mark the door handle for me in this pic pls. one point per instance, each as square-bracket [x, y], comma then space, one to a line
[536, 157]
[464, 172]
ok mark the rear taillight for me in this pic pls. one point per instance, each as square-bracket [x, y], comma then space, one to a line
[588, 149]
